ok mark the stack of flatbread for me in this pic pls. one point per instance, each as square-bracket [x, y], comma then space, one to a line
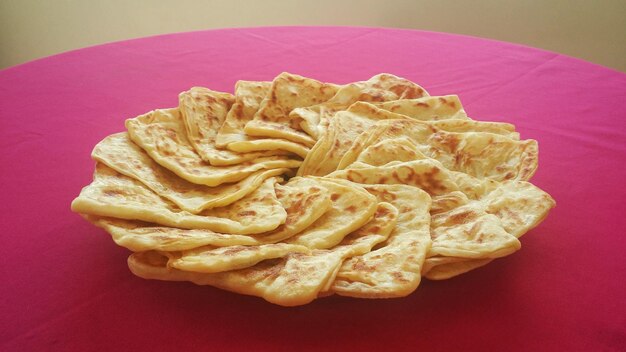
[296, 189]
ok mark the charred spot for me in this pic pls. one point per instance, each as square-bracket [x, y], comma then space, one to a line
[210, 99]
[362, 266]
[234, 250]
[458, 158]
[335, 196]
[406, 91]
[374, 97]
[171, 133]
[398, 276]
[351, 209]
[395, 128]
[297, 207]
[387, 196]
[382, 211]
[114, 192]
[369, 109]
[238, 109]
[374, 229]
[461, 218]
[396, 176]
[273, 96]
[448, 140]
[166, 152]
[267, 268]
[353, 176]
[247, 213]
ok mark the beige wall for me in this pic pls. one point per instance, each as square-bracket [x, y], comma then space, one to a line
[591, 30]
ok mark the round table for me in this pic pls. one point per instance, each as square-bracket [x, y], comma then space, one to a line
[66, 285]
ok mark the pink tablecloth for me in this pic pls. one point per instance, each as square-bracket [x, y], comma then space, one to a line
[65, 285]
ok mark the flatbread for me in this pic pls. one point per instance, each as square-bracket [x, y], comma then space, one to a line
[294, 280]
[400, 149]
[118, 152]
[305, 201]
[479, 154]
[393, 268]
[457, 125]
[467, 221]
[395, 185]
[346, 126]
[112, 194]
[215, 260]
[343, 128]
[442, 268]
[140, 236]
[470, 232]
[519, 206]
[248, 98]
[427, 108]
[352, 207]
[204, 112]
[426, 174]
[382, 87]
[161, 133]
[288, 92]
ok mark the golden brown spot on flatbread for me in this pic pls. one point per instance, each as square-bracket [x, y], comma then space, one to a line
[387, 196]
[114, 192]
[234, 250]
[395, 128]
[374, 229]
[381, 212]
[449, 140]
[399, 277]
[463, 217]
[359, 265]
[247, 213]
